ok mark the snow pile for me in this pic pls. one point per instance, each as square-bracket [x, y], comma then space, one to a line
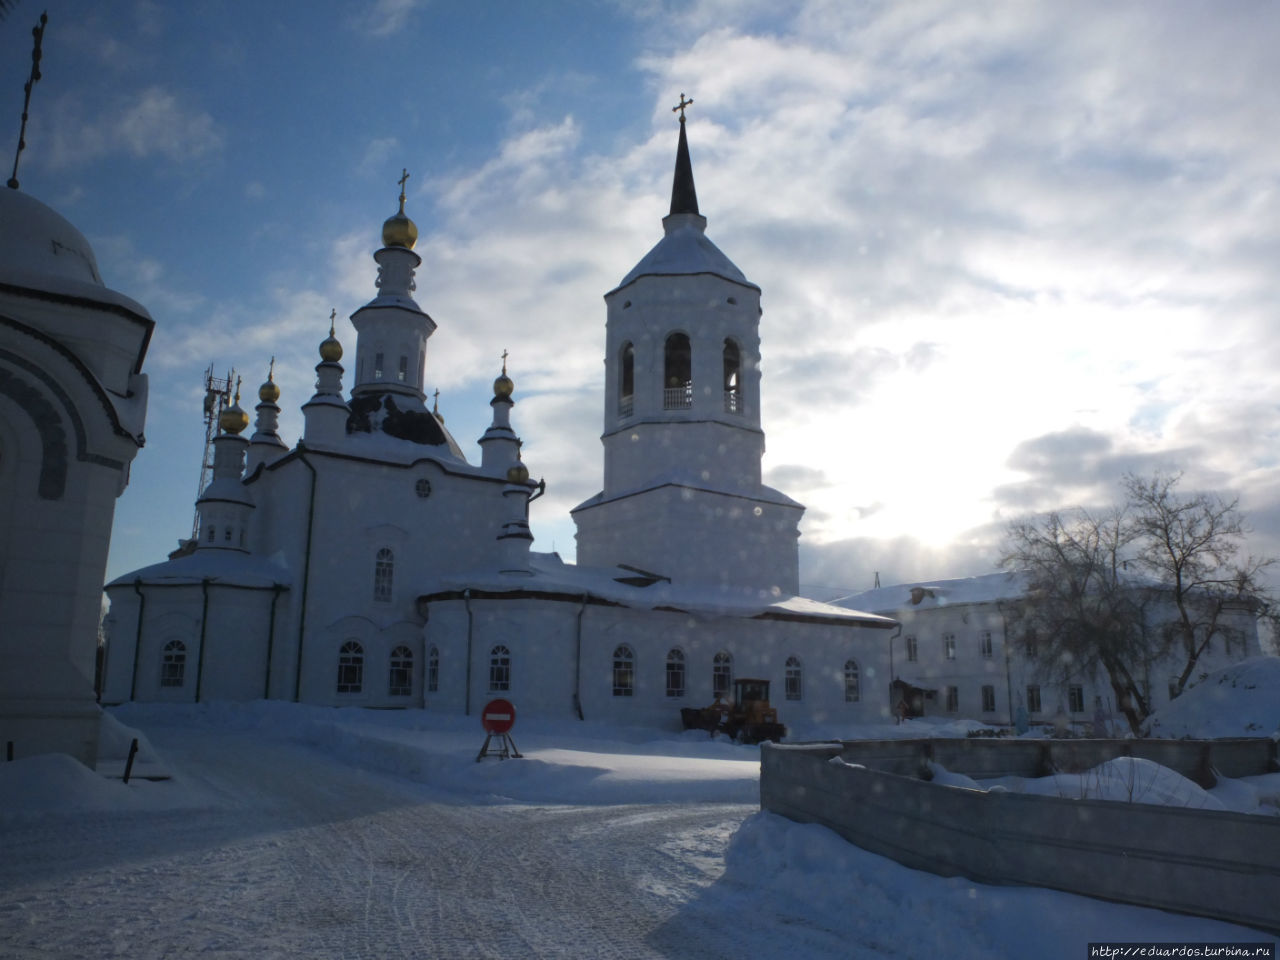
[1242, 700]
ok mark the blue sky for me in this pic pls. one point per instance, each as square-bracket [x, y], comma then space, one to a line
[1007, 250]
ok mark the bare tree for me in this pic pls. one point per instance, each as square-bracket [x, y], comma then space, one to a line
[1078, 613]
[1160, 579]
[1193, 546]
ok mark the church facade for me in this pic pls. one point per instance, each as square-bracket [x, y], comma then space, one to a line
[372, 564]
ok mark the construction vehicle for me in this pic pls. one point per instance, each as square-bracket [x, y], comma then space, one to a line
[747, 717]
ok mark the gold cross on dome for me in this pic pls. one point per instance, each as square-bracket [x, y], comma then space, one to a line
[404, 177]
[504, 361]
[681, 105]
[332, 313]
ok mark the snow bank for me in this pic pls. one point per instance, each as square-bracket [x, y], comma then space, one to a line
[1242, 700]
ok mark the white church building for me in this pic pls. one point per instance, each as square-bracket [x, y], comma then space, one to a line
[371, 564]
[73, 399]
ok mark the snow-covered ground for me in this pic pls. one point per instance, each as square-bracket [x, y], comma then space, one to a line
[289, 831]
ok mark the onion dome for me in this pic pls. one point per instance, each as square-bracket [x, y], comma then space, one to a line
[330, 348]
[398, 230]
[269, 392]
[517, 473]
[233, 419]
[503, 385]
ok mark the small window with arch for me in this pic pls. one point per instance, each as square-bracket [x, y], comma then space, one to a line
[383, 573]
[400, 674]
[173, 664]
[351, 667]
[675, 673]
[624, 671]
[499, 669]
[793, 685]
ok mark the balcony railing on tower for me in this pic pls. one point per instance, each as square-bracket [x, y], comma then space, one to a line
[678, 398]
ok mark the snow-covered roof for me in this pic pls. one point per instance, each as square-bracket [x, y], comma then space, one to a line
[685, 250]
[226, 567]
[937, 593]
[624, 587]
[41, 251]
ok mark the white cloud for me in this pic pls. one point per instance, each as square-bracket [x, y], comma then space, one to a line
[150, 122]
[385, 17]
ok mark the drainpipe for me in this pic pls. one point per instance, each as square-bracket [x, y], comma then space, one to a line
[1008, 670]
[892, 676]
[204, 622]
[466, 599]
[137, 639]
[271, 639]
[577, 659]
[306, 573]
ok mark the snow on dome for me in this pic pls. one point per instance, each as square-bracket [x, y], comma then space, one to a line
[685, 250]
[36, 241]
[41, 250]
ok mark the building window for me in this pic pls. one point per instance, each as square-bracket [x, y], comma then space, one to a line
[351, 667]
[627, 381]
[949, 645]
[1075, 698]
[433, 670]
[721, 674]
[984, 643]
[677, 373]
[173, 664]
[400, 682]
[403, 373]
[988, 699]
[675, 674]
[1033, 698]
[794, 680]
[852, 687]
[913, 650]
[383, 570]
[212, 534]
[499, 669]
[732, 377]
[226, 535]
[953, 699]
[422, 487]
[377, 366]
[624, 665]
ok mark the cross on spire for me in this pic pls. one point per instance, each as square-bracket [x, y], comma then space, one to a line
[504, 361]
[404, 177]
[38, 33]
[681, 105]
[332, 314]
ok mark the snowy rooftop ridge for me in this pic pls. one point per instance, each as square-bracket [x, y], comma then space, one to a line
[619, 585]
[988, 588]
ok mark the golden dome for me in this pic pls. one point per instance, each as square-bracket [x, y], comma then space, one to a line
[233, 419]
[330, 348]
[503, 386]
[398, 230]
[269, 392]
[517, 473]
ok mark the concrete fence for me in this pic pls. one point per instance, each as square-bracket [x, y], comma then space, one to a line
[1209, 863]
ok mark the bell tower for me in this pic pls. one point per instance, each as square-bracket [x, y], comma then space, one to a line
[682, 437]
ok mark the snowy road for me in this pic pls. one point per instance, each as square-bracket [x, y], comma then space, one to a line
[355, 864]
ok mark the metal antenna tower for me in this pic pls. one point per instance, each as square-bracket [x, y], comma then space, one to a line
[217, 396]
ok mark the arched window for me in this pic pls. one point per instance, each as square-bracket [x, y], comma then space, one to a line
[383, 570]
[173, 664]
[433, 670]
[794, 679]
[627, 381]
[732, 377]
[677, 373]
[624, 664]
[499, 669]
[351, 667]
[377, 366]
[721, 674]
[400, 679]
[403, 373]
[675, 673]
[852, 690]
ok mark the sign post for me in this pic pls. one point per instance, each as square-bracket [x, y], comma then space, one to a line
[497, 718]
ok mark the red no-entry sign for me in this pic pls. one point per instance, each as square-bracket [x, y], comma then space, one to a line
[498, 716]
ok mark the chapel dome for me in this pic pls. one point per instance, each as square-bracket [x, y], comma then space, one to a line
[269, 392]
[39, 248]
[399, 231]
[233, 419]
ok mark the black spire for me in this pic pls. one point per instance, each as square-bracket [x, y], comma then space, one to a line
[684, 198]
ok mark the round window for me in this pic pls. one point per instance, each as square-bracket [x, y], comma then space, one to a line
[423, 487]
